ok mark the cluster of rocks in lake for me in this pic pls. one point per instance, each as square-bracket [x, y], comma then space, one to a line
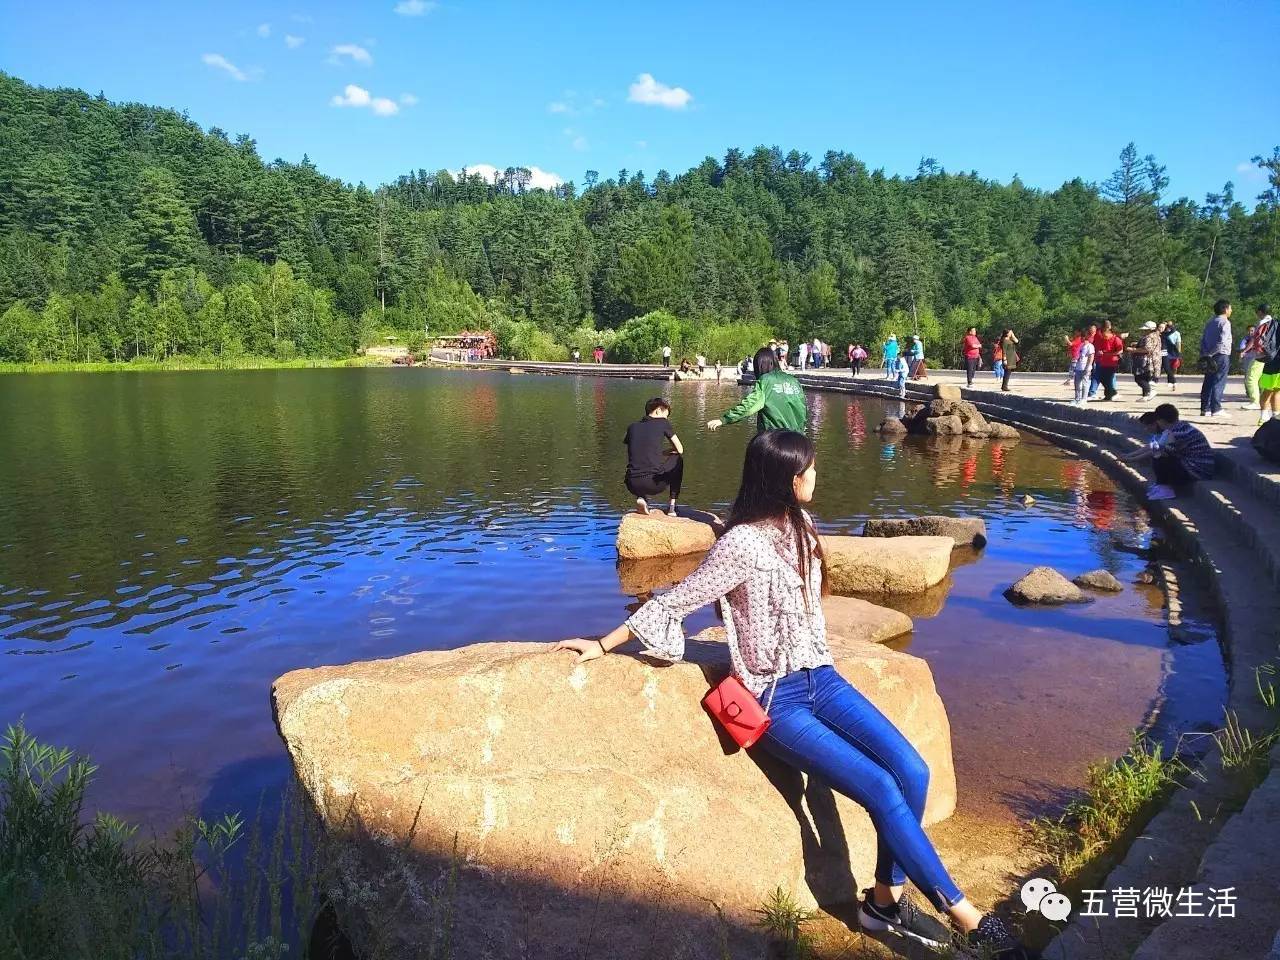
[1045, 585]
[946, 417]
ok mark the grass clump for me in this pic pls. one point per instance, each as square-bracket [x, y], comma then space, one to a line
[1116, 796]
[73, 888]
[783, 919]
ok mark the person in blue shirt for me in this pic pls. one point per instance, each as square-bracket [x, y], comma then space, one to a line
[890, 355]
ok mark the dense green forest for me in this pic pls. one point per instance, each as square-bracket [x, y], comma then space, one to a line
[126, 231]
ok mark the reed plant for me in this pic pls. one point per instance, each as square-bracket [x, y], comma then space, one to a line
[79, 888]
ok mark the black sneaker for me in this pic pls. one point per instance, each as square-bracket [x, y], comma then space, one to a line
[904, 919]
[993, 941]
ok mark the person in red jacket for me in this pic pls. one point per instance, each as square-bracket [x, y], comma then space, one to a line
[1109, 347]
[972, 353]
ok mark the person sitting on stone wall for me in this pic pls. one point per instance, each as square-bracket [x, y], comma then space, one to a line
[1179, 453]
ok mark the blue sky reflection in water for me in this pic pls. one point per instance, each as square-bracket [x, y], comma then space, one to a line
[170, 543]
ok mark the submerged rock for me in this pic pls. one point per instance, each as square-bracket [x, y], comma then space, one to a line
[965, 531]
[893, 565]
[547, 806]
[1002, 431]
[642, 536]
[1045, 585]
[892, 425]
[1098, 580]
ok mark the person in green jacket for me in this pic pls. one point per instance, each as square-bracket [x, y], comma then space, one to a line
[777, 399]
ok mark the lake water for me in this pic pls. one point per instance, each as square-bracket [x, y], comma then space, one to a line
[171, 543]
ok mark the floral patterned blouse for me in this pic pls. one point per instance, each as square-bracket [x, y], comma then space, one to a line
[771, 630]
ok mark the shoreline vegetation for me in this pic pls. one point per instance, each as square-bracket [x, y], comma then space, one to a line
[147, 364]
[128, 230]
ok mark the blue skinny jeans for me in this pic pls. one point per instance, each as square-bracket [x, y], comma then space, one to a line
[825, 728]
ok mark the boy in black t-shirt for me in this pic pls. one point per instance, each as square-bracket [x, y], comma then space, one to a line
[652, 467]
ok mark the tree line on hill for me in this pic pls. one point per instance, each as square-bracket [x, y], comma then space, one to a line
[128, 231]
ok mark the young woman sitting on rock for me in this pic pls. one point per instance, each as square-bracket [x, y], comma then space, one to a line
[768, 567]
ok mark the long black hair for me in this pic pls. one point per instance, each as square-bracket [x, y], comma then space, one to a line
[765, 361]
[774, 459]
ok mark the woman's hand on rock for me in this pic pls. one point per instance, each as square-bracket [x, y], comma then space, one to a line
[585, 649]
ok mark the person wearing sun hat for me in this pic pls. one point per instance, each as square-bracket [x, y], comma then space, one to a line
[1146, 359]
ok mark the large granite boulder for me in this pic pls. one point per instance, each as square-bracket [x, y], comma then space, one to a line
[964, 531]
[891, 426]
[946, 391]
[1044, 585]
[945, 426]
[642, 536]
[545, 810]
[639, 577]
[1002, 431]
[880, 565]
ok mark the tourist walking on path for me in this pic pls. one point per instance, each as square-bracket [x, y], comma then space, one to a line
[1172, 360]
[776, 398]
[1146, 359]
[1009, 348]
[1215, 360]
[1248, 355]
[1254, 357]
[1268, 337]
[890, 355]
[768, 573]
[599, 354]
[1179, 453]
[971, 347]
[1072, 344]
[1108, 348]
[857, 357]
[1082, 368]
[804, 354]
[997, 359]
[666, 356]
[577, 355]
[655, 457]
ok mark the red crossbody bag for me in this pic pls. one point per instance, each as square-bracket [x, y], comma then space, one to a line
[737, 711]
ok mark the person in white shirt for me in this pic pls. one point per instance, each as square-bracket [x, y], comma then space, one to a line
[804, 355]
[1081, 370]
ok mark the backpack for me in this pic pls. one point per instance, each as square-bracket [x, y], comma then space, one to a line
[1266, 440]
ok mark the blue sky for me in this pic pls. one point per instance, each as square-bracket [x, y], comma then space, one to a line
[370, 90]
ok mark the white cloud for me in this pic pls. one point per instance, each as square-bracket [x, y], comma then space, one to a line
[293, 42]
[642, 144]
[353, 96]
[357, 53]
[222, 63]
[408, 99]
[415, 8]
[651, 93]
[302, 18]
[576, 140]
[1250, 172]
[558, 106]
[597, 102]
[264, 30]
[540, 179]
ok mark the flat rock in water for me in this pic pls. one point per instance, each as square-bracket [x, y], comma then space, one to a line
[852, 620]
[576, 804]
[892, 425]
[1098, 580]
[886, 565]
[1002, 431]
[964, 531]
[643, 536]
[1045, 585]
